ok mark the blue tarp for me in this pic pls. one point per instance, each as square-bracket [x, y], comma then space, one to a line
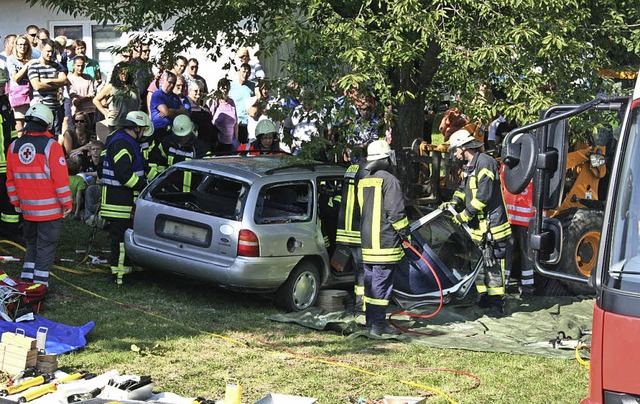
[61, 338]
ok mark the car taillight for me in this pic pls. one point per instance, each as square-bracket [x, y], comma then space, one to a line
[248, 244]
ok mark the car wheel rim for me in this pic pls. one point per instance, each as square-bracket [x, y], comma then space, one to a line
[304, 290]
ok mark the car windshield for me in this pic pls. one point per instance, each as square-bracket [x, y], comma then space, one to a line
[624, 266]
[200, 192]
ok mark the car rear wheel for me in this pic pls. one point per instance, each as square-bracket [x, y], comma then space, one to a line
[300, 291]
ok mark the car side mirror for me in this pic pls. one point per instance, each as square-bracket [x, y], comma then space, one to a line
[549, 241]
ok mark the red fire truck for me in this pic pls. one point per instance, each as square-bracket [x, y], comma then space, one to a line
[535, 152]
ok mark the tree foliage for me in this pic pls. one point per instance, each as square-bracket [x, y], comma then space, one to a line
[535, 54]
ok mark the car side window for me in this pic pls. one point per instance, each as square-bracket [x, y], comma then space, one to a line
[284, 203]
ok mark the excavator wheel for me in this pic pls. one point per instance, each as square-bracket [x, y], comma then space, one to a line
[581, 242]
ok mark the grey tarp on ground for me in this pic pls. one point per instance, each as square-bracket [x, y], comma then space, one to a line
[526, 329]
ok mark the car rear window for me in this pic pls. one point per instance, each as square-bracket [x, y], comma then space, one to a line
[201, 192]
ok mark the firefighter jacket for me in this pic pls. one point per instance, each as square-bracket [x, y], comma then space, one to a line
[122, 175]
[38, 178]
[383, 222]
[348, 227]
[481, 196]
[520, 210]
[169, 152]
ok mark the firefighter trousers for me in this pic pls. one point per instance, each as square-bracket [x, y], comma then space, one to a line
[358, 287]
[378, 285]
[521, 257]
[117, 257]
[9, 218]
[41, 239]
[491, 280]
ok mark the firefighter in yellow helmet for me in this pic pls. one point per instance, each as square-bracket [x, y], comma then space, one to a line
[383, 226]
[479, 204]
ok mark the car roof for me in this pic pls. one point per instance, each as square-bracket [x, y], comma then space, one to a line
[253, 167]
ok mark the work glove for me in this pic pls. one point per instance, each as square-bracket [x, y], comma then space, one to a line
[461, 218]
[445, 205]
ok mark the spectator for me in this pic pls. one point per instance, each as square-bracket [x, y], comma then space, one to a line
[76, 140]
[60, 43]
[223, 111]
[9, 44]
[165, 105]
[32, 34]
[202, 119]
[120, 95]
[240, 92]
[47, 79]
[257, 73]
[257, 108]
[18, 66]
[92, 68]
[144, 74]
[193, 76]
[178, 69]
[178, 91]
[43, 36]
[367, 127]
[77, 184]
[91, 168]
[82, 90]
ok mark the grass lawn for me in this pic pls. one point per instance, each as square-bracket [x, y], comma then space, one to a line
[193, 339]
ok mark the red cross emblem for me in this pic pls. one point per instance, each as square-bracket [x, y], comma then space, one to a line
[27, 153]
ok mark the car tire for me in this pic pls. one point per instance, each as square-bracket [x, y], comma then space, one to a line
[301, 289]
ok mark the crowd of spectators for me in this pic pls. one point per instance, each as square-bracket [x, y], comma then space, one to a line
[88, 105]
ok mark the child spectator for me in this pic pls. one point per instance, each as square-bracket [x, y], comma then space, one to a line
[90, 169]
[76, 183]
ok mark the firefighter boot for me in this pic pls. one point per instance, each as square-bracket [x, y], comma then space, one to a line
[384, 329]
[120, 272]
[496, 306]
[483, 301]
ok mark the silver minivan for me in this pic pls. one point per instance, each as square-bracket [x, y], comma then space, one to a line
[248, 223]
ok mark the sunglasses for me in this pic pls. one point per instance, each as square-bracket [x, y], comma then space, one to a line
[79, 121]
[32, 35]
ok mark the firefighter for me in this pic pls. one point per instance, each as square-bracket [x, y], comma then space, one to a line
[179, 146]
[123, 178]
[38, 186]
[479, 204]
[348, 227]
[383, 227]
[9, 218]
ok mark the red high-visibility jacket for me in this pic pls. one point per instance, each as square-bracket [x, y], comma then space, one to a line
[37, 177]
[520, 208]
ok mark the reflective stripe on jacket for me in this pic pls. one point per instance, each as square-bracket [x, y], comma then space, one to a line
[348, 230]
[122, 175]
[383, 218]
[482, 197]
[38, 178]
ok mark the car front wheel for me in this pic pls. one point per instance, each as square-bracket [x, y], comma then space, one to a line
[300, 291]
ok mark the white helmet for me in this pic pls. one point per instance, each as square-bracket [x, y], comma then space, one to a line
[141, 119]
[463, 138]
[39, 112]
[378, 150]
[182, 126]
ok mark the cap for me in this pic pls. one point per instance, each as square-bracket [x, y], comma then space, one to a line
[61, 41]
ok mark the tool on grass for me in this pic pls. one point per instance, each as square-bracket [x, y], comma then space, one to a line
[75, 398]
[51, 387]
[18, 388]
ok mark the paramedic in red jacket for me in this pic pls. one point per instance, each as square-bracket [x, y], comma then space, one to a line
[38, 185]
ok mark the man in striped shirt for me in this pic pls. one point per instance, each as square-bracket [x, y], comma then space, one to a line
[47, 77]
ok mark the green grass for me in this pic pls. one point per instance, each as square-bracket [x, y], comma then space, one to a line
[192, 339]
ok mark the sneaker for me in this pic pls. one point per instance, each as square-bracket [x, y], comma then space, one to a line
[384, 329]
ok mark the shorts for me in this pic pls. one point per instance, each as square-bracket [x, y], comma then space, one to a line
[20, 111]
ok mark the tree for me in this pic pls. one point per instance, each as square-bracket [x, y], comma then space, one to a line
[402, 51]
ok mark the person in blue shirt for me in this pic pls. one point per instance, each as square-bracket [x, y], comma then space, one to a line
[164, 106]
